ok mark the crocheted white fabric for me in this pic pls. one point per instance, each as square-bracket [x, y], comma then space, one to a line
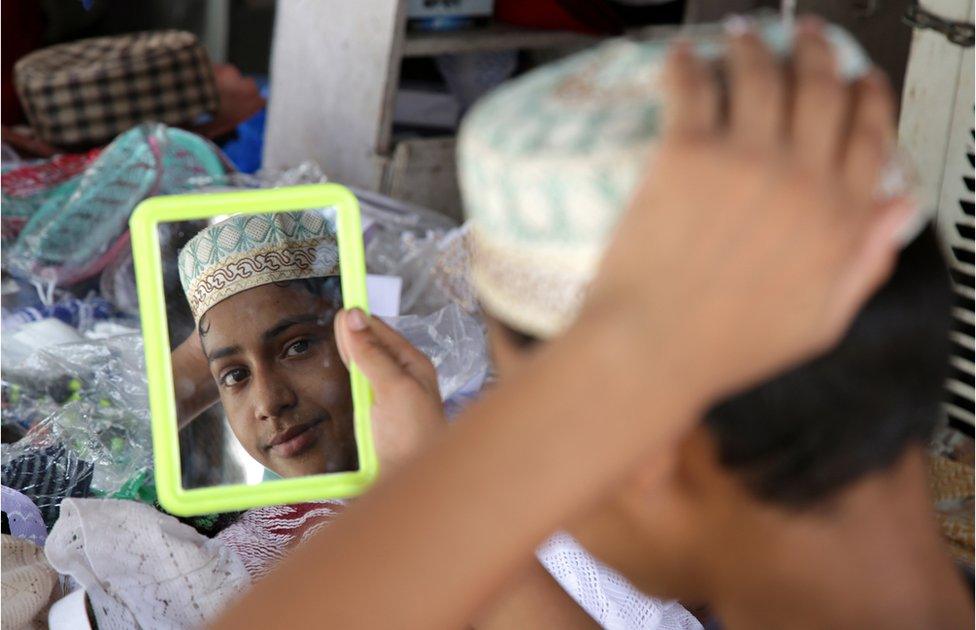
[605, 594]
[142, 568]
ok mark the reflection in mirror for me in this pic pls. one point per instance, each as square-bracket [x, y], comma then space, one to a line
[261, 390]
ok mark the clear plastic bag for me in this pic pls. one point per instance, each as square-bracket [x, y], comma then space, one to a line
[96, 437]
[81, 225]
[454, 341]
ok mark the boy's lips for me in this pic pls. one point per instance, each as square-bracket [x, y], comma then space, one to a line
[294, 440]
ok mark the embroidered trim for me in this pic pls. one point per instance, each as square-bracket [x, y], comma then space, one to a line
[256, 268]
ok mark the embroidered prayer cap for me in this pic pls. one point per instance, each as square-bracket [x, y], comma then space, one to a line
[547, 163]
[247, 251]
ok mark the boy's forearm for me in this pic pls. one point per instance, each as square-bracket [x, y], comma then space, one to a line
[530, 453]
[533, 599]
[195, 387]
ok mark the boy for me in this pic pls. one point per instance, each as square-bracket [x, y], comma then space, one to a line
[801, 501]
[263, 290]
[805, 497]
[749, 246]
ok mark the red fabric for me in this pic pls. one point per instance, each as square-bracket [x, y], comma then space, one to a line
[544, 14]
[34, 178]
[264, 536]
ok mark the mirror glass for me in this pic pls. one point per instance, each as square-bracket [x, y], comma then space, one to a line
[261, 391]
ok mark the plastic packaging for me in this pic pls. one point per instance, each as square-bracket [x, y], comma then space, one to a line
[97, 436]
[26, 186]
[454, 341]
[79, 313]
[81, 225]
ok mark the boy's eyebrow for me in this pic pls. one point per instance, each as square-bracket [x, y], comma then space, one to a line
[287, 323]
[223, 352]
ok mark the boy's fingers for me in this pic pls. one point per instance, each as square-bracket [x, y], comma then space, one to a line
[339, 331]
[756, 100]
[820, 99]
[691, 95]
[370, 354]
[871, 137]
[384, 356]
[406, 353]
[874, 260]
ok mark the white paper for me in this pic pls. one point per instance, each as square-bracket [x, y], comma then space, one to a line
[383, 295]
[69, 613]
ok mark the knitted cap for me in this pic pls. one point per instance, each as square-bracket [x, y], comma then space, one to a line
[247, 251]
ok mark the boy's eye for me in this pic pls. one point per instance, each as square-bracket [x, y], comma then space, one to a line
[233, 377]
[299, 347]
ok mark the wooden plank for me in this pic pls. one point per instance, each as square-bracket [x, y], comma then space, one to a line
[384, 133]
[423, 171]
[329, 67]
[494, 37]
[956, 164]
[928, 100]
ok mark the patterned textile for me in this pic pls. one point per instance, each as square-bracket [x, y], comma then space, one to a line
[262, 537]
[141, 568]
[81, 225]
[247, 251]
[88, 91]
[47, 476]
[27, 585]
[29, 179]
[25, 188]
[548, 161]
[952, 485]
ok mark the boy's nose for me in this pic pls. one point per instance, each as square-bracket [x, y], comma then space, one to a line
[273, 397]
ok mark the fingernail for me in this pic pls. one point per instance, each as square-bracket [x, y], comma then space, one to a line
[357, 320]
[737, 25]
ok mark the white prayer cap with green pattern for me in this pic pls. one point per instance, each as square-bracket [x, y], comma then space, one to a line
[547, 164]
[247, 251]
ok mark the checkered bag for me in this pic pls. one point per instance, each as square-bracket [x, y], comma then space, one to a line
[87, 92]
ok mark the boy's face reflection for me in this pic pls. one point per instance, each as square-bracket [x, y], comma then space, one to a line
[282, 383]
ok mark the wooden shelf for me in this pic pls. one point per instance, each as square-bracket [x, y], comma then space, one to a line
[494, 37]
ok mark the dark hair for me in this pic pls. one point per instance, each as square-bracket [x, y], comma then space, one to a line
[807, 433]
[328, 287]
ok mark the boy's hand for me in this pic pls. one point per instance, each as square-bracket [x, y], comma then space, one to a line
[407, 409]
[195, 388]
[755, 237]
